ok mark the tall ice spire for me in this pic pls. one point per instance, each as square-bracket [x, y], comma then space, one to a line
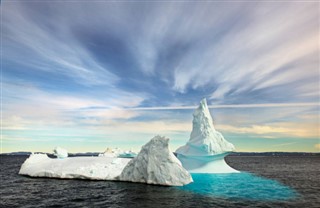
[204, 139]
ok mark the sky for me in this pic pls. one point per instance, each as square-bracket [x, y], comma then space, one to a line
[87, 75]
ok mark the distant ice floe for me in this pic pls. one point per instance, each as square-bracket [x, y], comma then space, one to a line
[116, 152]
[60, 152]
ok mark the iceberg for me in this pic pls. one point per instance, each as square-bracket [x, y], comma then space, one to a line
[127, 154]
[110, 152]
[156, 164]
[60, 152]
[206, 148]
[118, 153]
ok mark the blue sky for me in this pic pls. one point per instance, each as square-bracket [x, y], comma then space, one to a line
[97, 74]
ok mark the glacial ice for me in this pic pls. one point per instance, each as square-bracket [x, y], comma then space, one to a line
[60, 152]
[156, 164]
[116, 152]
[127, 154]
[93, 168]
[206, 148]
[109, 152]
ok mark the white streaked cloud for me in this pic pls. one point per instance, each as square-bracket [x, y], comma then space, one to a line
[285, 144]
[145, 127]
[232, 49]
[108, 114]
[263, 105]
[276, 129]
[31, 44]
[8, 138]
[263, 49]
[42, 108]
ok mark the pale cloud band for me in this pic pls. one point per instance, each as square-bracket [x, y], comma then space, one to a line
[263, 105]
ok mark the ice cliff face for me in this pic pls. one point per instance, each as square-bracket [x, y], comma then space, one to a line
[156, 164]
[204, 139]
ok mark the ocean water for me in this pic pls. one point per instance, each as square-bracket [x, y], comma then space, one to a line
[284, 181]
[240, 186]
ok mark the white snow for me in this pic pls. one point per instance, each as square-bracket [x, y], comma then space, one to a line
[60, 152]
[206, 148]
[94, 168]
[156, 164]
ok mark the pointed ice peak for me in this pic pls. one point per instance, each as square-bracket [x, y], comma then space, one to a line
[203, 103]
[202, 115]
[204, 139]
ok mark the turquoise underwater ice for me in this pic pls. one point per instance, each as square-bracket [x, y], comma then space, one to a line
[239, 186]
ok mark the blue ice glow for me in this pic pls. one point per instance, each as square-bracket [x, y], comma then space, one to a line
[239, 186]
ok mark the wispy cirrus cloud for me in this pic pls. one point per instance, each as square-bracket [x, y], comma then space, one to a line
[27, 106]
[227, 52]
[264, 50]
[285, 144]
[263, 105]
[31, 43]
[275, 130]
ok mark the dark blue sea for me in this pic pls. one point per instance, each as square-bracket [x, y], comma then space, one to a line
[265, 181]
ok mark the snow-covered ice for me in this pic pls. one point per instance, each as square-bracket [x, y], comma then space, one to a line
[94, 168]
[60, 152]
[206, 148]
[156, 164]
